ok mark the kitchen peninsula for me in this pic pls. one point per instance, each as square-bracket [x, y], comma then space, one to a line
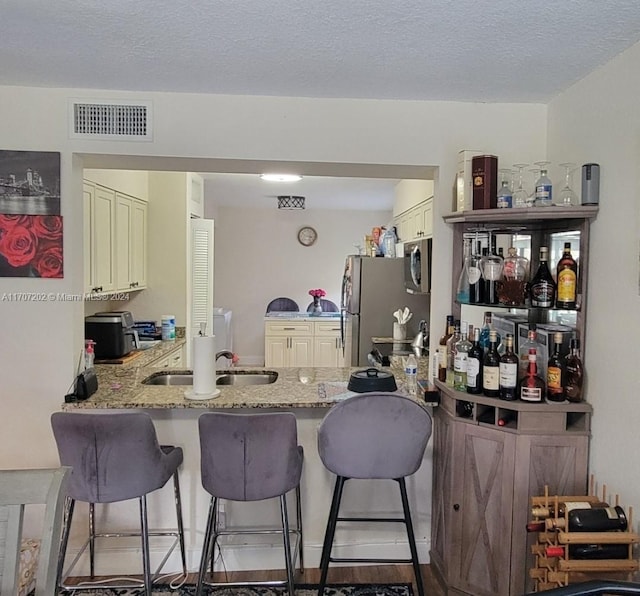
[175, 417]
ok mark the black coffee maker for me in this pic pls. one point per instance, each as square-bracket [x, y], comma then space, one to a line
[113, 333]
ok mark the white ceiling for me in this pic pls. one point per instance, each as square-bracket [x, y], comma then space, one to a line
[462, 50]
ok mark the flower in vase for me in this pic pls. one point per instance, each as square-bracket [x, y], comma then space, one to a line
[317, 293]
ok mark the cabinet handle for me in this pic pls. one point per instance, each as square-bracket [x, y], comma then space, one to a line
[289, 328]
[456, 507]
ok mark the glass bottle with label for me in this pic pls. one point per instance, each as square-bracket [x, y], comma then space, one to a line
[574, 373]
[543, 191]
[542, 289]
[474, 365]
[523, 350]
[555, 376]
[505, 195]
[451, 352]
[508, 371]
[460, 362]
[442, 353]
[531, 387]
[491, 368]
[567, 276]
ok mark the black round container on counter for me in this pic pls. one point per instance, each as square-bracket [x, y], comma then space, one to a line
[371, 379]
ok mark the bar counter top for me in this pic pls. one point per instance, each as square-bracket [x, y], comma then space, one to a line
[121, 387]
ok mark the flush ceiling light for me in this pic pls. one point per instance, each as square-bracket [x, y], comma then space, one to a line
[290, 202]
[281, 177]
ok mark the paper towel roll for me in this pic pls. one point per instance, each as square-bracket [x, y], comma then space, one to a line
[204, 365]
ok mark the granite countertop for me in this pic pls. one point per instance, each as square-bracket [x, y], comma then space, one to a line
[301, 316]
[120, 387]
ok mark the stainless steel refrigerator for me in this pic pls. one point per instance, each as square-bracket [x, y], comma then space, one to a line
[372, 290]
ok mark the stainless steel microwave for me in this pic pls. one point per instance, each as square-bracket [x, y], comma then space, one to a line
[417, 266]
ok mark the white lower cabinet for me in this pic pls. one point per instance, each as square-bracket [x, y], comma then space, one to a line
[291, 342]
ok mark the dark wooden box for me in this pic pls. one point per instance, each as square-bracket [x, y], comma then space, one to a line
[484, 172]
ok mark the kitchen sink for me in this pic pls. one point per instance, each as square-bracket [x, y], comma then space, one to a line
[225, 377]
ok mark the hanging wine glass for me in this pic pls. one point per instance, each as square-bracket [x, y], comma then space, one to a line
[520, 195]
[567, 196]
[543, 192]
[531, 198]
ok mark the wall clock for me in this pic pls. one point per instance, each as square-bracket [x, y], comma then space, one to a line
[307, 236]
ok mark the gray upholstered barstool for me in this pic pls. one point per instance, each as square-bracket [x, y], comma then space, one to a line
[250, 457]
[372, 436]
[115, 457]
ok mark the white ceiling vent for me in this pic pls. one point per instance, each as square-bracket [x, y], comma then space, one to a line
[110, 120]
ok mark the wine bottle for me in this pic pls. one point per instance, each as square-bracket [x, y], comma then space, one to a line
[574, 373]
[451, 352]
[442, 354]
[531, 387]
[474, 365]
[491, 368]
[599, 519]
[590, 551]
[542, 289]
[567, 276]
[555, 390]
[563, 507]
[460, 361]
[508, 371]
[506, 417]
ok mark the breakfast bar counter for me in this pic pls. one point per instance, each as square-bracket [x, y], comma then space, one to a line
[121, 387]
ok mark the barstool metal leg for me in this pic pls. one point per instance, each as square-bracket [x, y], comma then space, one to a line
[64, 540]
[92, 539]
[411, 536]
[206, 546]
[178, 499]
[146, 562]
[330, 532]
[286, 538]
[300, 537]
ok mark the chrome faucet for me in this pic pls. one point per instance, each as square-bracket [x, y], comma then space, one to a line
[224, 354]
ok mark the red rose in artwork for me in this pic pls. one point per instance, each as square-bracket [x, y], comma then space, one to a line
[8, 221]
[48, 260]
[47, 227]
[18, 245]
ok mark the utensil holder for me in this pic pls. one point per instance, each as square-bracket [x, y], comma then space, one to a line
[399, 331]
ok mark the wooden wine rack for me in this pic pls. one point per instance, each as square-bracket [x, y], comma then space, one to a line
[553, 572]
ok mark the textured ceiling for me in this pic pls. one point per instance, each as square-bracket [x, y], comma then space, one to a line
[464, 50]
[467, 50]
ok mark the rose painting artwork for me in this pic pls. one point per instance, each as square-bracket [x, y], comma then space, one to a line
[30, 245]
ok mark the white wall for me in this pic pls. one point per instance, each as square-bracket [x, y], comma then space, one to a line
[598, 120]
[41, 341]
[408, 193]
[258, 258]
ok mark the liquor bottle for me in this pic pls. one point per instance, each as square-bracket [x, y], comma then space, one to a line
[492, 265]
[487, 327]
[567, 276]
[491, 368]
[555, 376]
[590, 551]
[542, 289]
[543, 192]
[574, 373]
[460, 361]
[451, 352]
[474, 365]
[508, 371]
[462, 293]
[505, 196]
[523, 350]
[442, 356]
[531, 387]
[474, 273]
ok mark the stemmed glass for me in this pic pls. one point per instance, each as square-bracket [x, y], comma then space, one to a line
[520, 195]
[531, 199]
[567, 196]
